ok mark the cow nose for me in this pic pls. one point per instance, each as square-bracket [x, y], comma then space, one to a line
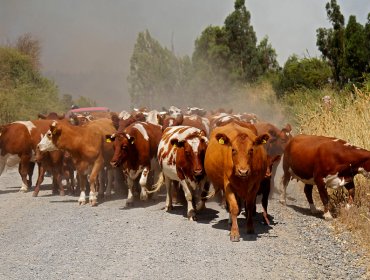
[198, 172]
[243, 172]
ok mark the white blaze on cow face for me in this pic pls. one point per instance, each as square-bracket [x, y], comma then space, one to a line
[27, 124]
[46, 143]
[124, 115]
[142, 130]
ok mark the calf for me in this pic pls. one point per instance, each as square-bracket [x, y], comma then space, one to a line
[236, 162]
[181, 153]
[324, 162]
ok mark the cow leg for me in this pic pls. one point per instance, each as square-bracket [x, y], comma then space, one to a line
[110, 179]
[168, 184]
[203, 196]
[142, 182]
[283, 185]
[101, 177]
[130, 197]
[265, 185]
[40, 179]
[324, 198]
[31, 167]
[57, 174]
[189, 198]
[250, 203]
[308, 192]
[234, 211]
[351, 194]
[82, 183]
[97, 167]
[23, 171]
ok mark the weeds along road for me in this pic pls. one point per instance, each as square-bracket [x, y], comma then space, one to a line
[51, 237]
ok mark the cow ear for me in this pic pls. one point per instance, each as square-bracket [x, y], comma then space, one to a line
[110, 138]
[41, 116]
[222, 139]
[262, 139]
[54, 128]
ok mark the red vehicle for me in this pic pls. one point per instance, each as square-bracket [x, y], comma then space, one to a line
[86, 110]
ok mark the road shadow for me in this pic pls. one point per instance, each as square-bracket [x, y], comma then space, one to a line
[10, 190]
[260, 227]
[305, 211]
[137, 203]
[64, 201]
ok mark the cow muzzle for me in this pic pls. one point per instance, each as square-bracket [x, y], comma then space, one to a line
[242, 172]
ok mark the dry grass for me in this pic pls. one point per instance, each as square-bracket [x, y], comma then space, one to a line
[348, 119]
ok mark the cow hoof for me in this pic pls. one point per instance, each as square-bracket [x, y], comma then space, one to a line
[192, 218]
[23, 190]
[93, 202]
[35, 194]
[81, 202]
[283, 202]
[143, 196]
[234, 238]
[328, 216]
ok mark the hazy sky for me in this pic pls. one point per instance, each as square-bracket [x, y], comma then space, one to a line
[87, 44]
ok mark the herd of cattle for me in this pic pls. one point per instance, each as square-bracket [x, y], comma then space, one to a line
[200, 153]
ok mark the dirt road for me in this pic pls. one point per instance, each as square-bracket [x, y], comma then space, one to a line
[51, 237]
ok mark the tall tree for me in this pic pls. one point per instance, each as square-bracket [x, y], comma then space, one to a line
[331, 41]
[242, 40]
[356, 52]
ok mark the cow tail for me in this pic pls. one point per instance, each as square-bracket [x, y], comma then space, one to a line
[157, 186]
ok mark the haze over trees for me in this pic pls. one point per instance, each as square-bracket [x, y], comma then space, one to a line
[227, 57]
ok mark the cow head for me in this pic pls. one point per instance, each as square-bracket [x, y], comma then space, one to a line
[190, 154]
[278, 140]
[47, 142]
[242, 149]
[122, 145]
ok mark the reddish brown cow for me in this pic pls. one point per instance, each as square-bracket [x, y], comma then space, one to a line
[20, 139]
[134, 149]
[236, 162]
[86, 144]
[324, 162]
[181, 154]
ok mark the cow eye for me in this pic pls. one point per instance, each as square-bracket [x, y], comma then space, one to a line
[234, 151]
[48, 134]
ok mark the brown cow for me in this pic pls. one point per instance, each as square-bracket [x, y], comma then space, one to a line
[181, 154]
[236, 162]
[324, 162]
[51, 116]
[20, 139]
[86, 144]
[134, 149]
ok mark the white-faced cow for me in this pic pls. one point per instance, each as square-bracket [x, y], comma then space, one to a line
[324, 162]
[181, 153]
[135, 150]
[236, 162]
[87, 147]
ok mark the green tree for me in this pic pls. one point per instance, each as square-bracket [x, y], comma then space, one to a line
[356, 52]
[30, 46]
[154, 73]
[331, 41]
[309, 73]
[242, 41]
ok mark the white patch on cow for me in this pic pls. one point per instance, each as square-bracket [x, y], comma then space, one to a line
[174, 112]
[46, 144]
[124, 115]
[193, 117]
[133, 174]
[171, 122]
[23, 188]
[142, 130]
[365, 173]
[152, 117]
[82, 197]
[27, 124]
[336, 140]
[333, 181]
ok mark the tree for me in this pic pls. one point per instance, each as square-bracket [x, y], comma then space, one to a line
[27, 45]
[356, 52]
[154, 73]
[309, 73]
[242, 40]
[331, 41]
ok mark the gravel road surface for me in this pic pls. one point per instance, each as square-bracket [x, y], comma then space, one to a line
[51, 237]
